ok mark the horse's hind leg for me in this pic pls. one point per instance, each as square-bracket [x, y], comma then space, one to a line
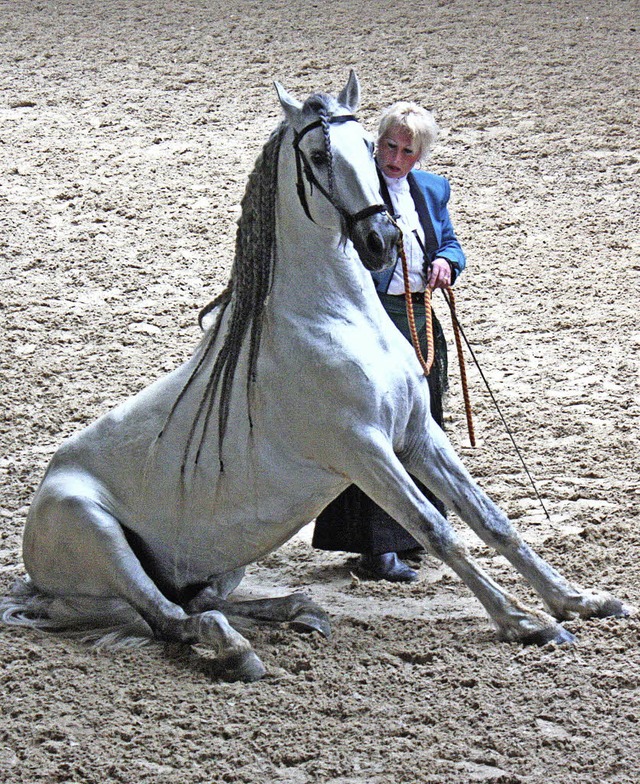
[445, 475]
[297, 609]
[74, 547]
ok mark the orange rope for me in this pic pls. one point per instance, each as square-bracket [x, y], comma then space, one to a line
[426, 365]
[415, 340]
[431, 349]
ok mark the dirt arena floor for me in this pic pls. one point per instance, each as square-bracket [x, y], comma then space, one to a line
[127, 131]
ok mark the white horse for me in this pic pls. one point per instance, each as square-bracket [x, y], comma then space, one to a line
[301, 386]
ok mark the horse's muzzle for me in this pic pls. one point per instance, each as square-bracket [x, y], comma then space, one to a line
[375, 238]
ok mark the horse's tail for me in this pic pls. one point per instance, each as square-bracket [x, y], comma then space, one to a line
[101, 622]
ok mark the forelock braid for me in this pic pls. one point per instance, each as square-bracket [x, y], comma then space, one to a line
[324, 107]
[324, 119]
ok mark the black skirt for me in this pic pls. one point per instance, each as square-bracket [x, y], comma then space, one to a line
[353, 522]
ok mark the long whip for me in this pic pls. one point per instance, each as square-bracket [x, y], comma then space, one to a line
[451, 301]
[448, 295]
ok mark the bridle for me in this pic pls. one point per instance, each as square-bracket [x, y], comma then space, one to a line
[303, 165]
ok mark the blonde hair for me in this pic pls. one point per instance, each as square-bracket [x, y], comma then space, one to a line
[419, 122]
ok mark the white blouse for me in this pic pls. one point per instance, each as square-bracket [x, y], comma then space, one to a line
[409, 222]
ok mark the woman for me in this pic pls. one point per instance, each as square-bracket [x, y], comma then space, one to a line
[406, 134]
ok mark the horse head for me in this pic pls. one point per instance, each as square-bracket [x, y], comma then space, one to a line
[334, 156]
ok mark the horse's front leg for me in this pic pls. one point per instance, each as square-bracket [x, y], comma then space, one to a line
[382, 476]
[435, 463]
[297, 609]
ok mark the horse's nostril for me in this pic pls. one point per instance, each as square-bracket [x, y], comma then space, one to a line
[374, 242]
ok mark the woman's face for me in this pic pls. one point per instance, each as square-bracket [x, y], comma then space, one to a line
[397, 154]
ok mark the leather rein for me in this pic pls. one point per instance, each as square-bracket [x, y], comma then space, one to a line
[428, 363]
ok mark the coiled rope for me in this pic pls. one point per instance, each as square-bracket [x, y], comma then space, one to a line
[415, 341]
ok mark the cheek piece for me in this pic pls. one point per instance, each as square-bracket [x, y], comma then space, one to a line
[303, 165]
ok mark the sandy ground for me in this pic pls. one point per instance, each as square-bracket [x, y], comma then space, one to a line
[127, 131]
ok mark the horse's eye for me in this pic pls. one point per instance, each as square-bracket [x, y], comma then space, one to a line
[370, 146]
[318, 157]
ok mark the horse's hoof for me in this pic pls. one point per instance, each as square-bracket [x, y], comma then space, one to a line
[312, 621]
[245, 666]
[613, 608]
[555, 634]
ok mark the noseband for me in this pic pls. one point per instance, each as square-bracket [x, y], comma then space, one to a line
[303, 165]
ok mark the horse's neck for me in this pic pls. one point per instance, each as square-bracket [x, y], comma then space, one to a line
[313, 267]
[315, 272]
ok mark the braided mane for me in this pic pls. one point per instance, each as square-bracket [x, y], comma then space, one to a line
[249, 284]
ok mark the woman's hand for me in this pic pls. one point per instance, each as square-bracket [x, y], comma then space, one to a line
[440, 275]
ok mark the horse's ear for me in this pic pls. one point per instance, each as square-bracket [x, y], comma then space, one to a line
[291, 106]
[350, 95]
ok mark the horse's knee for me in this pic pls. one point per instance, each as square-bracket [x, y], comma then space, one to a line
[442, 540]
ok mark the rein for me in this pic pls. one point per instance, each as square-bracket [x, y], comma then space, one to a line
[303, 166]
[428, 363]
[458, 334]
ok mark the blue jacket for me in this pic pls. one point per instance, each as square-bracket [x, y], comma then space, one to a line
[430, 194]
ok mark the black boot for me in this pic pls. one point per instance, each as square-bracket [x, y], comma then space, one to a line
[387, 566]
[414, 555]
